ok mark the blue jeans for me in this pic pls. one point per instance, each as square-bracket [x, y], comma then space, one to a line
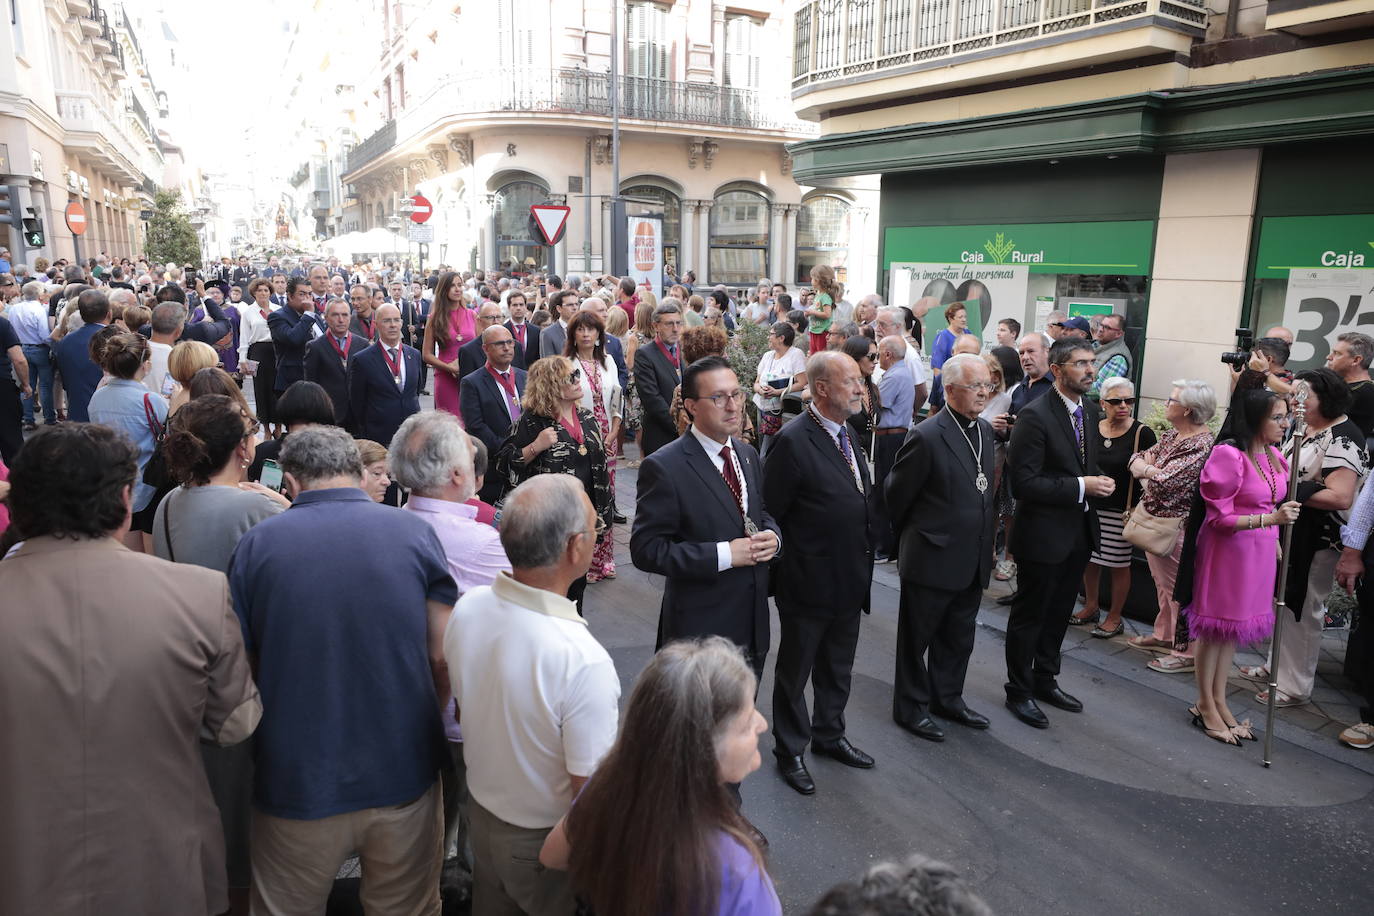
[40, 377]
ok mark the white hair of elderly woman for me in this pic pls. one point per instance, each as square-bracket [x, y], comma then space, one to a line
[1198, 398]
[1116, 382]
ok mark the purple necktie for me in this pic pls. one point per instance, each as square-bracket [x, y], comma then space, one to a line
[1078, 432]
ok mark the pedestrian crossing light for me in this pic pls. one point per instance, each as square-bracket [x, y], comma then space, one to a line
[9, 205]
[33, 233]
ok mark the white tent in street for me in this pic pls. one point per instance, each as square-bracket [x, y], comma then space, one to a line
[356, 245]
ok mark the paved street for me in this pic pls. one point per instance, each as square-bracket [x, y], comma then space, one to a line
[1125, 808]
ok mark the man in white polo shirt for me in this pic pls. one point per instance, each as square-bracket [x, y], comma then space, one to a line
[543, 696]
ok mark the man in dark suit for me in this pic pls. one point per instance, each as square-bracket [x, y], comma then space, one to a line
[328, 357]
[689, 525]
[657, 372]
[1053, 465]
[81, 376]
[526, 335]
[471, 355]
[243, 273]
[384, 381]
[552, 338]
[489, 399]
[940, 499]
[292, 329]
[816, 485]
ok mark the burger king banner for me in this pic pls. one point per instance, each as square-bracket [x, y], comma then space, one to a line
[646, 250]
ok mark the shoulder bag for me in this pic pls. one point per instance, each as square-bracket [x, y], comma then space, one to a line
[1148, 532]
[155, 473]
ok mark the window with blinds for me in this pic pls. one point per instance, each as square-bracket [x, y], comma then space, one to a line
[646, 40]
[743, 52]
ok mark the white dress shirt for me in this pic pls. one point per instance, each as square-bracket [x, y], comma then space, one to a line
[712, 449]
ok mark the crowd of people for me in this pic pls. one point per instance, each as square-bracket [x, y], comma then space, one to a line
[313, 620]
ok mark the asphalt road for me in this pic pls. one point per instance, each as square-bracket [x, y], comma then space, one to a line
[1124, 808]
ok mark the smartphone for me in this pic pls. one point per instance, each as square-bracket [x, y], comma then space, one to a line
[542, 288]
[271, 475]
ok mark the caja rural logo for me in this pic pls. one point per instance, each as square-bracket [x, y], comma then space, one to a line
[1000, 249]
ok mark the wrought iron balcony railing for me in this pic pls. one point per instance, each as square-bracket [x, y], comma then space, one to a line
[585, 92]
[843, 39]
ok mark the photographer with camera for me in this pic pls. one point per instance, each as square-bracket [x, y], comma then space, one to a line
[1263, 367]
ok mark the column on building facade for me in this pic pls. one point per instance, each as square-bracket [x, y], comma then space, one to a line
[775, 244]
[607, 234]
[789, 242]
[1197, 285]
[704, 240]
[859, 281]
[488, 243]
[686, 240]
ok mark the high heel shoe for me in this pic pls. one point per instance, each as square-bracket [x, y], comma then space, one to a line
[1223, 734]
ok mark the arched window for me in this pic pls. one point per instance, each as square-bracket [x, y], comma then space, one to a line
[671, 206]
[739, 238]
[822, 236]
[516, 251]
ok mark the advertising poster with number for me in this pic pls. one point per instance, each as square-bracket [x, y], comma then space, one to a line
[1323, 304]
[989, 292]
[646, 251]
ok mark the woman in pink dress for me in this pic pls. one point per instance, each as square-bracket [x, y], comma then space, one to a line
[1243, 484]
[451, 324]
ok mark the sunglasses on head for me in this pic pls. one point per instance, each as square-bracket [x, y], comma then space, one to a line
[1117, 402]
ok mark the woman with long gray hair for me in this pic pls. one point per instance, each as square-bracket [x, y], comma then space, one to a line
[656, 830]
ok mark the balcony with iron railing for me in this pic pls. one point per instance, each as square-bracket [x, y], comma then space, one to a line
[544, 92]
[846, 42]
[96, 132]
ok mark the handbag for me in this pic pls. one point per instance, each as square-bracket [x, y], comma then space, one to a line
[1148, 532]
[155, 473]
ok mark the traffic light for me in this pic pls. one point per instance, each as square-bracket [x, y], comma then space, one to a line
[9, 205]
[33, 233]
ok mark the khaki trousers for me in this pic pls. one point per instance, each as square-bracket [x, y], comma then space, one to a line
[507, 879]
[401, 851]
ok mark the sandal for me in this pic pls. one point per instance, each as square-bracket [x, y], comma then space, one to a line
[1257, 673]
[1243, 731]
[1104, 633]
[1281, 700]
[1222, 734]
[1150, 644]
[1171, 664]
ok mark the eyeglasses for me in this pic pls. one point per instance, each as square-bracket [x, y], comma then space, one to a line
[985, 387]
[1117, 402]
[573, 378]
[720, 400]
[1080, 364]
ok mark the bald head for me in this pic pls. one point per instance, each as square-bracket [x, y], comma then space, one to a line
[488, 315]
[389, 325]
[966, 343]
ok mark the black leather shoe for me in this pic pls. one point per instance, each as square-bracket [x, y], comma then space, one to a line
[1059, 699]
[964, 716]
[924, 727]
[794, 773]
[1007, 599]
[619, 518]
[1028, 712]
[845, 753]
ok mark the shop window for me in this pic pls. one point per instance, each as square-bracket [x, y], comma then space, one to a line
[822, 237]
[671, 206]
[738, 238]
[515, 249]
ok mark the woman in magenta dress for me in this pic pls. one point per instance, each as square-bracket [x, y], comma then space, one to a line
[451, 324]
[1243, 484]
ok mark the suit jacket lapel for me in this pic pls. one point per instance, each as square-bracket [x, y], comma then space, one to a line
[1060, 411]
[829, 447]
[706, 470]
[954, 438]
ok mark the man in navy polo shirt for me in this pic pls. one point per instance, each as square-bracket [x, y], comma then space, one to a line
[349, 659]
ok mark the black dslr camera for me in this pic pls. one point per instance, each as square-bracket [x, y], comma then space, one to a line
[1245, 343]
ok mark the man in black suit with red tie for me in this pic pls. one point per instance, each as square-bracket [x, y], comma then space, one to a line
[701, 521]
[657, 372]
[327, 359]
[816, 484]
[526, 335]
[384, 381]
[1053, 466]
[489, 400]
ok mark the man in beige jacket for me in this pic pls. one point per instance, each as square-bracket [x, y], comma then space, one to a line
[113, 665]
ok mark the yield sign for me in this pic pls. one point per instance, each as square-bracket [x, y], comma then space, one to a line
[551, 219]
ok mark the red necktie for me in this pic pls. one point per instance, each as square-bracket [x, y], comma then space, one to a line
[520, 334]
[731, 478]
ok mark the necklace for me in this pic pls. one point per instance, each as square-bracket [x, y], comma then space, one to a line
[1107, 439]
[1272, 481]
[981, 481]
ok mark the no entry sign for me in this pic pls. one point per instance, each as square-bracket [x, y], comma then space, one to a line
[422, 209]
[76, 218]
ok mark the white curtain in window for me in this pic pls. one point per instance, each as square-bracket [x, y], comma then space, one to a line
[647, 41]
[743, 52]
